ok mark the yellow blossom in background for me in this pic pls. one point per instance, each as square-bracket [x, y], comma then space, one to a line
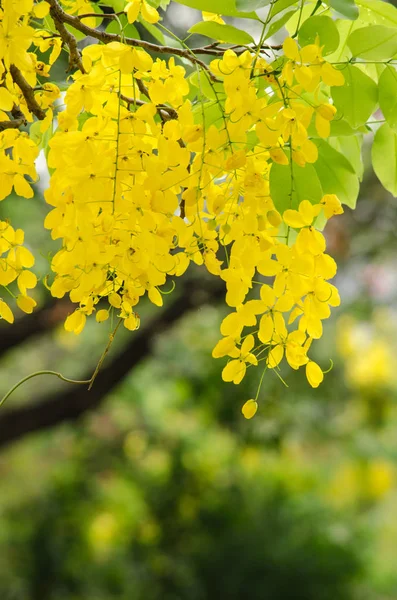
[369, 356]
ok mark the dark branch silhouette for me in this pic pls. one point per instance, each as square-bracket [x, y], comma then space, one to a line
[70, 404]
[41, 321]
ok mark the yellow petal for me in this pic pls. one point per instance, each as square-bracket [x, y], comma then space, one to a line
[314, 374]
[6, 312]
[234, 371]
[132, 9]
[291, 49]
[102, 315]
[249, 409]
[149, 13]
[75, 322]
[331, 76]
[155, 296]
[26, 304]
[293, 218]
[275, 356]
[223, 347]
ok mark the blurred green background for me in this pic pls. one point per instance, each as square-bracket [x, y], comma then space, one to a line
[164, 492]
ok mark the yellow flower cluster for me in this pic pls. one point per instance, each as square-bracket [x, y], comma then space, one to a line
[17, 151]
[16, 38]
[144, 184]
[15, 262]
[152, 169]
[260, 237]
[17, 156]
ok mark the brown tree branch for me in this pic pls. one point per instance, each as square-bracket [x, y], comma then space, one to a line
[28, 92]
[69, 40]
[105, 37]
[13, 124]
[72, 403]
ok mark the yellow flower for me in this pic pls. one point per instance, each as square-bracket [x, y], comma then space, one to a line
[235, 369]
[209, 16]
[75, 322]
[136, 7]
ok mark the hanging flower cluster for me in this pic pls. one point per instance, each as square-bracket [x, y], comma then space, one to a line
[143, 187]
[19, 69]
[153, 168]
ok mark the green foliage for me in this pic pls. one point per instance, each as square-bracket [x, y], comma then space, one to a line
[222, 7]
[127, 29]
[250, 5]
[375, 42]
[384, 157]
[355, 101]
[290, 184]
[377, 12]
[222, 33]
[278, 23]
[324, 28]
[347, 8]
[388, 95]
[336, 174]
[350, 146]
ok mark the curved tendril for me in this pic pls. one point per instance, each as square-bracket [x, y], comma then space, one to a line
[55, 373]
[331, 367]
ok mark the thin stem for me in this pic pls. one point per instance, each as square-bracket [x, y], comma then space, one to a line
[104, 353]
[59, 375]
[88, 382]
[260, 382]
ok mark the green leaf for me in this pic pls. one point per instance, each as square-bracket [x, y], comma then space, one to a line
[281, 5]
[212, 114]
[324, 28]
[336, 174]
[301, 16]
[248, 5]
[219, 7]
[290, 184]
[377, 12]
[356, 100]
[347, 8]
[211, 90]
[129, 29]
[384, 158]
[388, 95]
[279, 23]
[117, 5]
[222, 33]
[154, 31]
[39, 138]
[373, 42]
[350, 147]
[341, 128]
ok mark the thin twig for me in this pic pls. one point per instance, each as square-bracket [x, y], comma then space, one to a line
[103, 355]
[58, 13]
[13, 124]
[59, 375]
[101, 15]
